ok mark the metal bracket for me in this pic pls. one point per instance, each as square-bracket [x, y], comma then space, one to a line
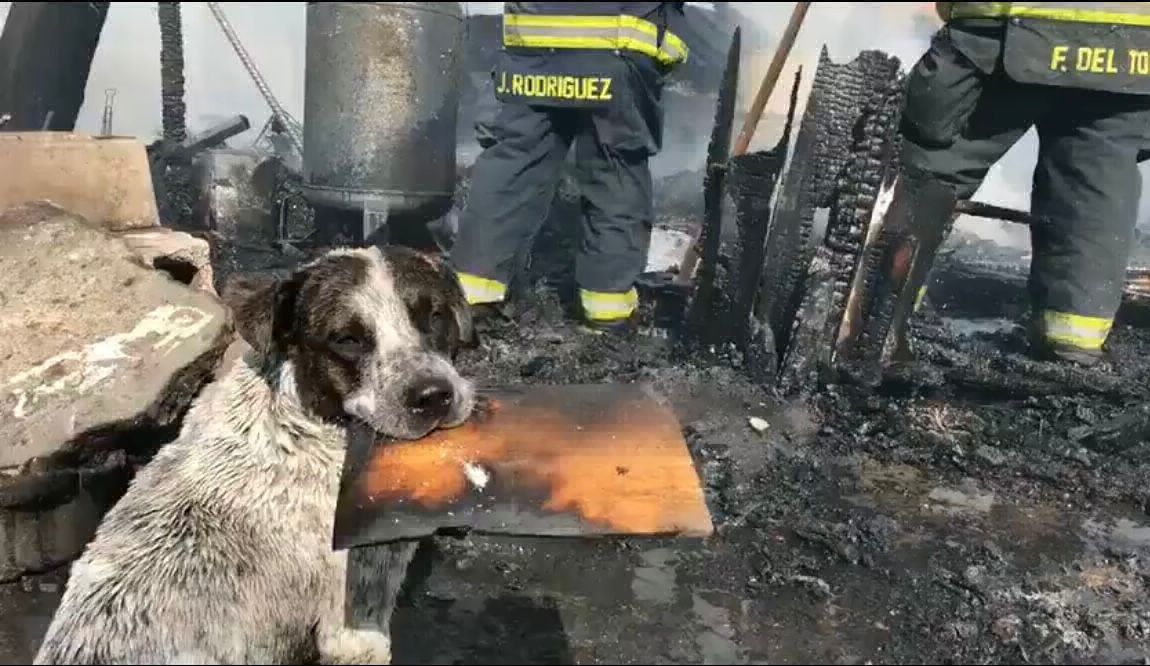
[375, 215]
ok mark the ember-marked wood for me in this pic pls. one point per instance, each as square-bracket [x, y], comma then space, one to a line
[572, 460]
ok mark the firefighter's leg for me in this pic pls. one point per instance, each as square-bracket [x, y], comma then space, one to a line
[1086, 191]
[612, 151]
[956, 124]
[618, 214]
[513, 183]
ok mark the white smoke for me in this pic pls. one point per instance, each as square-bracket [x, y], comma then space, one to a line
[903, 30]
[273, 32]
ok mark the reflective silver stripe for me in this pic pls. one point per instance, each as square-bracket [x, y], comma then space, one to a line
[481, 290]
[1076, 330]
[1118, 13]
[592, 32]
[612, 35]
[607, 306]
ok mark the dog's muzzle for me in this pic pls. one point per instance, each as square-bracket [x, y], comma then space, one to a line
[430, 399]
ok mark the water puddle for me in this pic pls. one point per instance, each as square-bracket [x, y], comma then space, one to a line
[716, 642]
[953, 502]
[973, 327]
[926, 510]
[1132, 534]
[1123, 534]
[903, 489]
[654, 581]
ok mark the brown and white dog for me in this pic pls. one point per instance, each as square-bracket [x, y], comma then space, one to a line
[220, 552]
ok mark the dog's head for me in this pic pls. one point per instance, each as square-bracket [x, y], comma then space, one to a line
[369, 334]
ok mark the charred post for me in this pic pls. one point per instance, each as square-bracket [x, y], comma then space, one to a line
[174, 178]
[807, 186]
[753, 180]
[174, 109]
[701, 319]
[860, 97]
[890, 245]
[46, 52]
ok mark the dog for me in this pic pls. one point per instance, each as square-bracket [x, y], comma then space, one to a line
[220, 551]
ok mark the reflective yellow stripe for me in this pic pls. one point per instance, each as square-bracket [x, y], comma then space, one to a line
[610, 33]
[479, 290]
[1117, 13]
[606, 306]
[919, 298]
[1076, 330]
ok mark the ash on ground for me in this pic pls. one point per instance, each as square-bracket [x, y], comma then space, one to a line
[979, 507]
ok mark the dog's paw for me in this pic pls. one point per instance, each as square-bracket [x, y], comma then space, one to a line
[357, 646]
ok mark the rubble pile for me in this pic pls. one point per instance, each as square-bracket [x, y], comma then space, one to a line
[100, 355]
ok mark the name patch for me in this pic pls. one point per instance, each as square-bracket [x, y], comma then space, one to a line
[1087, 56]
[555, 86]
[1100, 60]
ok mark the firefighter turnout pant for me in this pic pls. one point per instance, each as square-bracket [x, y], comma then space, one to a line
[960, 119]
[516, 178]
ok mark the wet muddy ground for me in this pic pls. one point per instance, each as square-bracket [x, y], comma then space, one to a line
[978, 508]
[944, 527]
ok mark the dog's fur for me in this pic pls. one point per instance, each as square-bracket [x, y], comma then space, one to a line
[220, 552]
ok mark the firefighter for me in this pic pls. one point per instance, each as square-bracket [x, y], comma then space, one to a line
[1078, 72]
[584, 73]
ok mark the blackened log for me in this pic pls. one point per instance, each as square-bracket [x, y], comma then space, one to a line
[46, 53]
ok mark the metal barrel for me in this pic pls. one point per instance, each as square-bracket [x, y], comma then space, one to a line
[381, 98]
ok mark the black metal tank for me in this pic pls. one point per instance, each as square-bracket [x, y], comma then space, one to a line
[381, 98]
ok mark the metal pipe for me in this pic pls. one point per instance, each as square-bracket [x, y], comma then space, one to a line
[109, 103]
[218, 133]
[979, 209]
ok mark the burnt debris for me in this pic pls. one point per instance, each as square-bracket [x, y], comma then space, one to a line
[701, 319]
[727, 289]
[753, 180]
[862, 110]
[788, 284]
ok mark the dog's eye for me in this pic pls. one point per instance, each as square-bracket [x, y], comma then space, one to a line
[348, 345]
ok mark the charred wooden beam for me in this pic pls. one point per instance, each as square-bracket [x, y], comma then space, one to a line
[857, 113]
[753, 181]
[46, 52]
[987, 290]
[819, 153]
[702, 310]
[173, 107]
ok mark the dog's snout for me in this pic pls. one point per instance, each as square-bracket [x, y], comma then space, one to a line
[431, 398]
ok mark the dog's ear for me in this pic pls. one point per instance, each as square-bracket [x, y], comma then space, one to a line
[264, 308]
[464, 324]
[465, 335]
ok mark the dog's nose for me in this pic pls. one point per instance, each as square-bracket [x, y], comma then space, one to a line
[431, 398]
